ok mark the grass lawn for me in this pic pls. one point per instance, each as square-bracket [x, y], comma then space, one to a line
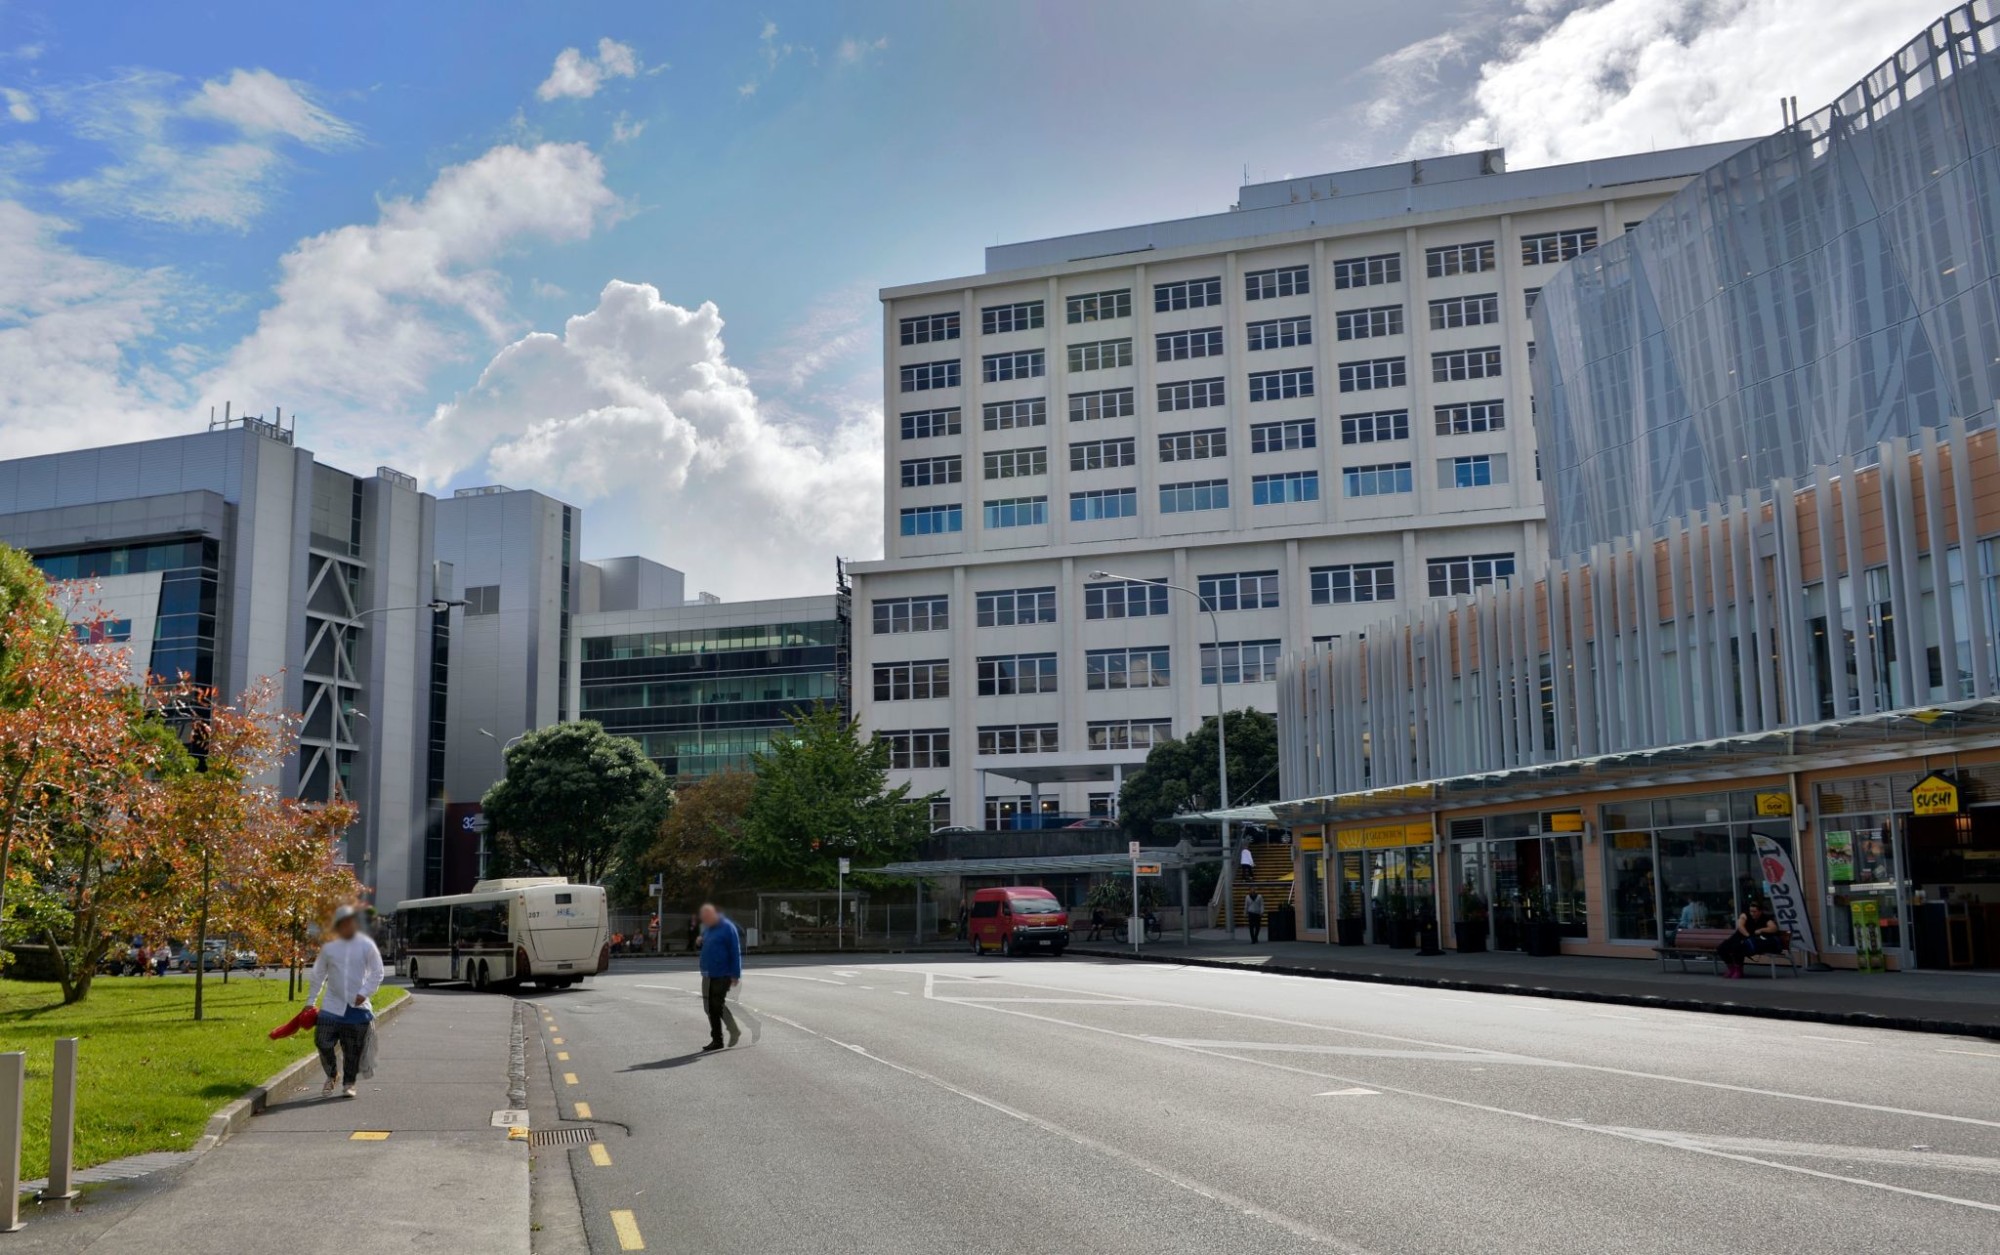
[148, 1076]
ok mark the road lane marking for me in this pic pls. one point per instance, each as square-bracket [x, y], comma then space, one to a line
[569, 1078]
[600, 1154]
[1352, 1091]
[817, 980]
[1467, 1055]
[368, 1135]
[1845, 1041]
[556, 1041]
[1977, 1054]
[562, 1056]
[1606, 1015]
[902, 993]
[1214, 1194]
[627, 1228]
[583, 1111]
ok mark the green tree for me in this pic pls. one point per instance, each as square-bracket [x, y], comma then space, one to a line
[629, 880]
[698, 848]
[823, 793]
[572, 796]
[1179, 776]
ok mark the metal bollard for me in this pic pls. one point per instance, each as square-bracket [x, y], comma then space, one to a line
[62, 1123]
[13, 1089]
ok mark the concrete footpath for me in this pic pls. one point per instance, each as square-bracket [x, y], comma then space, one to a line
[413, 1162]
[1962, 1002]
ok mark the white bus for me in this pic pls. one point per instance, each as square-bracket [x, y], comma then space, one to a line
[505, 932]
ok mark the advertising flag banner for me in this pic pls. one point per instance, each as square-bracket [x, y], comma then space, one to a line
[1781, 885]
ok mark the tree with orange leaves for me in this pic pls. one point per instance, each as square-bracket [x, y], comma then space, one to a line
[300, 878]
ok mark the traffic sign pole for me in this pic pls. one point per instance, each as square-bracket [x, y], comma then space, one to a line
[840, 908]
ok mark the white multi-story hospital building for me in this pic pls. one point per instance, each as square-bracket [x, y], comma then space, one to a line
[1312, 410]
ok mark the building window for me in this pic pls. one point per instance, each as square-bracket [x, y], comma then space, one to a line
[940, 813]
[922, 472]
[1136, 667]
[1458, 259]
[1100, 355]
[1088, 407]
[1557, 246]
[926, 376]
[1015, 463]
[1380, 480]
[1368, 272]
[912, 681]
[1008, 675]
[1128, 734]
[1239, 590]
[1289, 433]
[999, 319]
[1471, 417]
[932, 520]
[1189, 446]
[1240, 662]
[1264, 285]
[1000, 367]
[1358, 581]
[1014, 607]
[1019, 738]
[1100, 306]
[1281, 333]
[894, 616]
[1366, 324]
[1529, 299]
[1375, 427]
[1463, 575]
[1465, 364]
[1179, 346]
[1191, 394]
[1280, 385]
[1284, 487]
[1099, 455]
[923, 424]
[1202, 494]
[930, 328]
[1103, 503]
[1478, 470]
[1382, 372]
[1007, 415]
[1125, 599]
[923, 747]
[1465, 311]
[113, 631]
[1017, 512]
[1187, 294]
[482, 599]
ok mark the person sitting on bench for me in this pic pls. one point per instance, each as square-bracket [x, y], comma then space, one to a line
[1756, 933]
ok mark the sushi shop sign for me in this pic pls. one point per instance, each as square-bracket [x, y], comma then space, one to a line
[1934, 795]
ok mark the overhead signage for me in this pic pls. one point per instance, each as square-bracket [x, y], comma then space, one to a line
[1566, 821]
[1934, 795]
[1312, 844]
[1774, 805]
[1145, 869]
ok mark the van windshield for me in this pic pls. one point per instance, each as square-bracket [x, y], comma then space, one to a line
[1036, 906]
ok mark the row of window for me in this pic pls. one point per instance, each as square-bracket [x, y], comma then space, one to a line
[931, 747]
[1225, 591]
[1472, 257]
[1267, 385]
[1455, 419]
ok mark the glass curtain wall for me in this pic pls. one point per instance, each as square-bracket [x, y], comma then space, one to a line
[1684, 862]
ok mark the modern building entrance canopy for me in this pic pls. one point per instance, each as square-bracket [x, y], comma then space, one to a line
[1171, 857]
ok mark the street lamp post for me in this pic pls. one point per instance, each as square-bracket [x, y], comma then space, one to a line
[1221, 744]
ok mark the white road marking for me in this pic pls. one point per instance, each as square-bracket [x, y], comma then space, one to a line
[1352, 1091]
[1845, 1041]
[817, 980]
[1977, 1054]
[1606, 1015]
[1355, 1052]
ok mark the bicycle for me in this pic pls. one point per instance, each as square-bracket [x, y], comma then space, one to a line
[1152, 926]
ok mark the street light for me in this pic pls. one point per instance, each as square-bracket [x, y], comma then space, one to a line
[507, 744]
[434, 604]
[1221, 746]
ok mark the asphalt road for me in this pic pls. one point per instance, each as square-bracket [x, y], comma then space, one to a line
[920, 1104]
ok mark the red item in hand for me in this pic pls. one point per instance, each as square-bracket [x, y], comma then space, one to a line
[303, 1020]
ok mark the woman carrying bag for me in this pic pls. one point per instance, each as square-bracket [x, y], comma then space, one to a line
[348, 971]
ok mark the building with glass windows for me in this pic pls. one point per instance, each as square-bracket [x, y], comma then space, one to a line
[1767, 631]
[1310, 410]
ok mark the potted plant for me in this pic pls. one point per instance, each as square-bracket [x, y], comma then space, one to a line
[1541, 935]
[1401, 928]
[1351, 929]
[1469, 921]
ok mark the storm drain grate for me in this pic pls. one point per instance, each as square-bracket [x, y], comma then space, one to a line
[562, 1137]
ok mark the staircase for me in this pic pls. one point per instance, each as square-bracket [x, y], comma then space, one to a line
[1272, 878]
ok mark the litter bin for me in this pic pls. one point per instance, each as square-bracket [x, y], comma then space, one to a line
[1284, 924]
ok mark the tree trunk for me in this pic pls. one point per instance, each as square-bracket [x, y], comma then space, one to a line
[201, 935]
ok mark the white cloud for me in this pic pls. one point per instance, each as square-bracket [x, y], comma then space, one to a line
[576, 75]
[853, 51]
[365, 313]
[168, 171]
[1567, 80]
[636, 411]
[20, 105]
[624, 130]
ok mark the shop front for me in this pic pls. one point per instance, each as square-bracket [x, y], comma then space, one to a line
[1522, 875]
[1388, 884]
[1689, 861]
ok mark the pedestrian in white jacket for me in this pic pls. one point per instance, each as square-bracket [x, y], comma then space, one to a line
[349, 971]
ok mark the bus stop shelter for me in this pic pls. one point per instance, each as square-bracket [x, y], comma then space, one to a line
[1176, 858]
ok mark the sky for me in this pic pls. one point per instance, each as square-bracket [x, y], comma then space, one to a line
[628, 253]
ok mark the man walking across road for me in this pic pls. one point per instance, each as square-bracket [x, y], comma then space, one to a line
[721, 969]
[349, 968]
[1253, 914]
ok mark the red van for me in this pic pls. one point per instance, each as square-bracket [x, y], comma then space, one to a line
[1017, 920]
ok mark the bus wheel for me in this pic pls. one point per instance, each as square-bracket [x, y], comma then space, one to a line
[415, 979]
[479, 977]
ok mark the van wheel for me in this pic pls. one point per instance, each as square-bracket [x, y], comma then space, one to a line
[479, 977]
[415, 979]
[977, 950]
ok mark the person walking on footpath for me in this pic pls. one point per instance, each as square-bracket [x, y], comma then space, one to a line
[721, 970]
[1253, 914]
[349, 971]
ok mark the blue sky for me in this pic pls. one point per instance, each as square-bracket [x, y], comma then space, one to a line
[627, 253]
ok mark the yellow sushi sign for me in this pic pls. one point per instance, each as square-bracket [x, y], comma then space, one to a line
[1934, 795]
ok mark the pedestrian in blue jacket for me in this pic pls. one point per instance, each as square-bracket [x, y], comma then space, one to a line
[721, 969]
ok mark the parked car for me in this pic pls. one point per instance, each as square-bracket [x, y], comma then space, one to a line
[1016, 919]
[1095, 821]
[953, 830]
[244, 961]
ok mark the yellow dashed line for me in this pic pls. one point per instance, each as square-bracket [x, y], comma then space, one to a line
[628, 1231]
[569, 1078]
[375, 1135]
[583, 1111]
[562, 1056]
[600, 1154]
[557, 1041]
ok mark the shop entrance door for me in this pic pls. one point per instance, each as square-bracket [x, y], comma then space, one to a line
[1952, 916]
